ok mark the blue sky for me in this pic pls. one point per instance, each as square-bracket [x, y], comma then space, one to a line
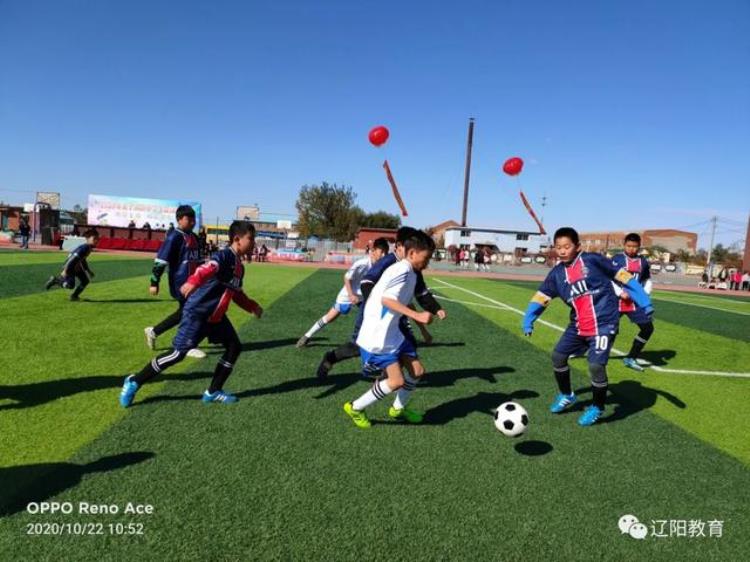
[628, 114]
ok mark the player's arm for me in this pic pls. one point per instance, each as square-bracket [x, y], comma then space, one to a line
[426, 299]
[161, 261]
[534, 310]
[85, 265]
[648, 285]
[394, 305]
[630, 283]
[348, 285]
[201, 276]
[247, 304]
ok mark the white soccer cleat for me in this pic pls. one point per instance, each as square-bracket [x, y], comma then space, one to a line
[150, 338]
[196, 354]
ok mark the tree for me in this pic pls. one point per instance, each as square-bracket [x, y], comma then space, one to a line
[328, 211]
[380, 219]
[682, 256]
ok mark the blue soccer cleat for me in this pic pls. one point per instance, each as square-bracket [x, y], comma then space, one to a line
[590, 416]
[631, 363]
[561, 402]
[129, 388]
[219, 396]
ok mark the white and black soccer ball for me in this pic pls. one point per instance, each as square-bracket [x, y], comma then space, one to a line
[511, 419]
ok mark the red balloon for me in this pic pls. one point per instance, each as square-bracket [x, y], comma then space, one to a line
[378, 135]
[513, 166]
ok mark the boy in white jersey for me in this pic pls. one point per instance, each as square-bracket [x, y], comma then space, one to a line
[350, 294]
[381, 341]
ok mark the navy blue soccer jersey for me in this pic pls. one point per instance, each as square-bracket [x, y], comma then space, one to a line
[639, 268]
[379, 267]
[586, 287]
[211, 300]
[77, 258]
[181, 253]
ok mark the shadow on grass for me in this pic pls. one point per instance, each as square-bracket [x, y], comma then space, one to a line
[37, 393]
[533, 448]
[50, 479]
[269, 344]
[660, 358]
[482, 402]
[628, 398]
[123, 301]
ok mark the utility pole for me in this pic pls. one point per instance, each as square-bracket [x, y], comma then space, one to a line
[711, 245]
[467, 171]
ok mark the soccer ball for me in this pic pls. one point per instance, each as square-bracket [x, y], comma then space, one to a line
[511, 419]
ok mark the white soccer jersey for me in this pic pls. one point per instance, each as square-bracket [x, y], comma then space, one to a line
[380, 332]
[355, 274]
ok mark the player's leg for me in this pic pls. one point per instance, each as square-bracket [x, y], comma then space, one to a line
[327, 318]
[414, 372]
[343, 352]
[83, 281]
[599, 349]
[158, 364]
[645, 331]
[225, 334]
[380, 389]
[569, 344]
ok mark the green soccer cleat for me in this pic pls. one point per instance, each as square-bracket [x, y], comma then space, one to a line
[359, 418]
[410, 416]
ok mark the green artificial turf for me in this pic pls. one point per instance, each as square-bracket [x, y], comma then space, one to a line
[284, 474]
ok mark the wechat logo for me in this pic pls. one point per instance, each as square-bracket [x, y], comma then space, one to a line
[629, 525]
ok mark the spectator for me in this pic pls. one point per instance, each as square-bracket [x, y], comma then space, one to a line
[457, 256]
[25, 231]
[487, 260]
[171, 228]
[746, 281]
[712, 284]
[263, 253]
[478, 260]
[737, 280]
[131, 224]
[203, 242]
[704, 280]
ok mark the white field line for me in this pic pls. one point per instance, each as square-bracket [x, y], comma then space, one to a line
[502, 306]
[677, 301]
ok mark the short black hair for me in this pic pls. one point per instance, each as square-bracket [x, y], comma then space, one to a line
[184, 211]
[567, 232]
[91, 233]
[633, 237]
[403, 233]
[419, 241]
[381, 244]
[240, 228]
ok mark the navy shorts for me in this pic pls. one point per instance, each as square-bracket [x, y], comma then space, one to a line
[637, 316]
[193, 330]
[598, 347]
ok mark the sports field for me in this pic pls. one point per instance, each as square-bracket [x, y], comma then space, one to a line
[284, 474]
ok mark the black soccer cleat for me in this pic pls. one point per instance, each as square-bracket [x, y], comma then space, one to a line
[51, 282]
[325, 366]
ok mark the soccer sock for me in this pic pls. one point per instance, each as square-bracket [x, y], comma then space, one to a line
[315, 327]
[404, 393]
[168, 323]
[641, 339]
[158, 364]
[562, 375]
[379, 390]
[221, 374]
[600, 395]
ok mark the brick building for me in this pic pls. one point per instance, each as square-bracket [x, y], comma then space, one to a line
[672, 240]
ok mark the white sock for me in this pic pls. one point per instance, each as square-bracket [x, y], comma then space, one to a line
[379, 390]
[315, 327]
[404, 393]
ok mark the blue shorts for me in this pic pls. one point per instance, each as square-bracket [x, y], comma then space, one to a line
[379, 361]
[193, 330]
[342, 308]
[598, 347]
[637, 316]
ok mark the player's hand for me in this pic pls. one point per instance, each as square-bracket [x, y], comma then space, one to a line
[187, 289]
[153, 290]
[624, 295]
[258, 312]
[528, 328]
[442, 314]
[354, 299]
[423, 317]
[649, 310]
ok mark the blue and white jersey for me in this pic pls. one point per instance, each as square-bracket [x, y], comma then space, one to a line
[380, 332]
[355, 274]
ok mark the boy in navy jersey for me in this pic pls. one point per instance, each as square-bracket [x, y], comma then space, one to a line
[180, 252]
[208, 293]
[639, 268]
[584, 281]
[76, 266]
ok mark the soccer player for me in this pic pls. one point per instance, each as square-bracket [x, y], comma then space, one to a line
[583, 281]
[381, 340]
[422, 294]
[208, 293]
[75, 267]
[350, 294]
[181, 253]
[638, 267]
